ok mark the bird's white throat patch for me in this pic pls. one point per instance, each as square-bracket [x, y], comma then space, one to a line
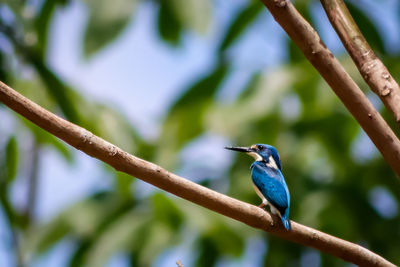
[271, 163]
[255, 156]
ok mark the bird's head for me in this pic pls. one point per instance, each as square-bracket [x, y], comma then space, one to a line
[261, 152]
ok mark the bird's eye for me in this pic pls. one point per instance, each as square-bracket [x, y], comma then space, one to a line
[260, 147]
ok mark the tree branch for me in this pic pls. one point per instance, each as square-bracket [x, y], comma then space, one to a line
[370, 66]
[307, 39]
[33, 180]
[122, 161]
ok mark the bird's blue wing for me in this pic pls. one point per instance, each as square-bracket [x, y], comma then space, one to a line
[272, 185]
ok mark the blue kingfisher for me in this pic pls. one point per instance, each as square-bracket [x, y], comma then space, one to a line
[268, 181]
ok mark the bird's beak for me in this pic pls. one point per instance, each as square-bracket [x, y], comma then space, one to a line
[240, 149]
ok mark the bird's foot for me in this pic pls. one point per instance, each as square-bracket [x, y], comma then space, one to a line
[262, 205]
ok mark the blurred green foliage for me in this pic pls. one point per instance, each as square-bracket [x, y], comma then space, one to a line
[332, 185]
[106, 22]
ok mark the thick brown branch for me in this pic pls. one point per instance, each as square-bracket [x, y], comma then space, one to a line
[307, 39]
[159, 177]
[370, 66]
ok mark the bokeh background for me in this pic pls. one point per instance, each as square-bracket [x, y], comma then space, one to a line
[173, 82]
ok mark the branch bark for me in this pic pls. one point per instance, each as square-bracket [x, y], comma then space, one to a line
[374, 72]
[309, 42]
[122, 161]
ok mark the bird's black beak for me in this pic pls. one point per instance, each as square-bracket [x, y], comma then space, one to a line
[240, 149]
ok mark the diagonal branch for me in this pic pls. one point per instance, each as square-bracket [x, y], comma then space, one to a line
[307, 39]
[370, 66]
[122, 161]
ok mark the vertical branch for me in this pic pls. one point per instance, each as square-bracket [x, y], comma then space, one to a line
[33, 179]
[310, 43]
[369, 65]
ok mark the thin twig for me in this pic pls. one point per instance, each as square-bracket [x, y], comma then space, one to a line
[33, 177]
[309, 42]
[374, 72]
[178, 263]
[251, 215]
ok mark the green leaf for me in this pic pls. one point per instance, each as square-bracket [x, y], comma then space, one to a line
[207, 251]
[173, 18]
[124, 231]
[303, 6]
[4, 73]
[42, 24]
[85, 220]
[158, 238]
[169, 25]
[43, 137]
[11, 159]
[119, 130]
[260, 101]
[123, 183]
[251, 86]
[367, 28]
[167, 212]
[56, 88]
[180, 127]
[94, 218]
[185, 119]
[228, 241]
[295, 54]
[8, 171]
[220, 240]
[240, 23]
[306, 86]
[46, 236]
[196, 15]
[106, 22]
[202, 90]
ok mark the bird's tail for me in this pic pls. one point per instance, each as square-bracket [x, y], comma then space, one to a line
[285, 220]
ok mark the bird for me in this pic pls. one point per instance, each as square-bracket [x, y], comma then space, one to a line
[268, 180]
